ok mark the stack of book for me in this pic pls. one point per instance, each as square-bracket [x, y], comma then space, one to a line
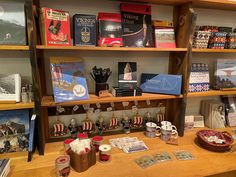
[4, 167]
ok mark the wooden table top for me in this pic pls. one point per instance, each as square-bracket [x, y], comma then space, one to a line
[123, 165]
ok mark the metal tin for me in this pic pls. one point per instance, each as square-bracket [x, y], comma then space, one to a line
[62, 165]
[104, 153]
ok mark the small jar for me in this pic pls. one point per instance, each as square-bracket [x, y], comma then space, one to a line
[104, 153]
[62, 165]
[97, 141]
[67, 144]
[24, 95]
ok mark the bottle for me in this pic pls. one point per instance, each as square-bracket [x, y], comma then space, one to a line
[24, 95]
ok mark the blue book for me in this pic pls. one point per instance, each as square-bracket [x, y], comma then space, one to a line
[68, 81]
[14, 130]
[161, 83]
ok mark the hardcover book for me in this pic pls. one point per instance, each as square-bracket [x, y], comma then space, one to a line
[109, 29]
[55, 27]
[14, 131]
[225, 74]
[10, 87]
[199, 78]
[161, 83]
[84, 30]
[165, 38]
[136, 25]
[127, 73]
[68, 80]
[12, 23]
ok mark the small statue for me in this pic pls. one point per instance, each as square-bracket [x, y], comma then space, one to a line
[148, 117]
[59, 129]
[101, 125]
[87, 126]
[114, 123]
[137, 120]
[73, 127]
[126, 124]
[160, 114]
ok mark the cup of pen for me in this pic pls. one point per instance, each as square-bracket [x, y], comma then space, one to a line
[100, 77]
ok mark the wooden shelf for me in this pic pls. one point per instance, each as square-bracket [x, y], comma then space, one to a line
[48, 101]
[212, 93]
[210, 4]
[13, 47]
[125, 49]
[13, 106]
[214, 50]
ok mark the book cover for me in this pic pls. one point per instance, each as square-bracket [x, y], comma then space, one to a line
[14, 130]
[127, 75]
[225, 74]
[12, 23]
[55, 27]
[161, 83]
[136, 25]
[10, 87]
[199, 78]
[110, 33]
[85, 30]
[68, 81]
[165, 38]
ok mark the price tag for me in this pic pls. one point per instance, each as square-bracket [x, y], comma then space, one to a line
[86, 106]
[98, 105]
[109, 109]
[148, 102]
[75, 108]
[125, 104]
[60, 109]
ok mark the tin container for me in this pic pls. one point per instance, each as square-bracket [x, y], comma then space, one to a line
[67, 144]
[62, 165]
[97, 141]
[104, 153]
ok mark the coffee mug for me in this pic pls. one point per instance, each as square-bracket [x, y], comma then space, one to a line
[151, 127]
[165, 123]
[167, 132]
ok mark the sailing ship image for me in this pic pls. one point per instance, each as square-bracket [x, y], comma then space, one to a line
[225, 75]
[68, 81]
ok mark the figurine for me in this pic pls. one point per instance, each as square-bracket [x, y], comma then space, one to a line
[101, 125]
[59, 129]
[148, 117]
[137, 120]
[160, 114]
[73, 127]
[87, 126]
[126, 124]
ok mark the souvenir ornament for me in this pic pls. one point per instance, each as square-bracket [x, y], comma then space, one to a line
[160, 114]
[100, 125]
[59, 129]
[126, 124]
[114, 123]
[73, 127]
[87, 126]
[137, 120]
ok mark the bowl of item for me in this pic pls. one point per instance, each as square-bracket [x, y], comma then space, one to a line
[214, 140]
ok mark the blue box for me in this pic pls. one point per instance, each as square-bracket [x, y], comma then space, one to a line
[161, 83]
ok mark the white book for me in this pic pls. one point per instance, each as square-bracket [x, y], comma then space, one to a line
[10, 87]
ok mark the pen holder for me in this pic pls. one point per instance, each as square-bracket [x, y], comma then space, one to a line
[81, 162]
[100, 88]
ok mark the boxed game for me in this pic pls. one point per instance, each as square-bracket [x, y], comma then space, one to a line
[55, 27]
[136, 25]
[199, 78]
[109, 29]
[84, 30]
[127, 75]
[68, 80]
[161, 83]
[225, 74]
[12, 23]
[117, 92]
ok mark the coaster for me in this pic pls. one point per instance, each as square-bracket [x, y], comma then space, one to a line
[145, 161]
[183, 155]
[162, 157]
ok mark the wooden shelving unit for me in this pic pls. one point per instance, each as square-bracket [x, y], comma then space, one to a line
[125, 49]
[13, 106]
[14, 47]
[48, 101]
[214, 50]
[212, 93]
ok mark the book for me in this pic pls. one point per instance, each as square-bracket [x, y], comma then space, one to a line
[14, 131]
[109, 30]
[31, 136]
[55, 27]
[199, 80]
[225, 74]
[10, 87]
[230, 107]
[136, 25]
[164, 38]
[127, 75]
[4, 167]
[68, 80]
[85, 30]
[12, 23]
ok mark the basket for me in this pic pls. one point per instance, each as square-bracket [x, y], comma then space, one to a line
[212, 146]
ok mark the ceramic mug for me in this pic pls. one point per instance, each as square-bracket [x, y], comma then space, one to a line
[165, 123]
[167, 132]
[151, 127]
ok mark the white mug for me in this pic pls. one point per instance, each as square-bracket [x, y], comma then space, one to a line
[165, 123]
[167, 131]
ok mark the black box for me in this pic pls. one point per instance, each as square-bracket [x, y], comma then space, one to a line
[127, 73]
[117, 92]
[85, 30]
[136, 25]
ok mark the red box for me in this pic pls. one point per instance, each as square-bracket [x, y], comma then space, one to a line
[55, 27]
[109, 29]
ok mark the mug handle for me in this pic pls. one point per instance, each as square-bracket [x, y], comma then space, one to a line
[175, 132]
[174, 127]
[158, 128]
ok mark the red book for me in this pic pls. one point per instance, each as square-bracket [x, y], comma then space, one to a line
[109, 29]
[55, 27]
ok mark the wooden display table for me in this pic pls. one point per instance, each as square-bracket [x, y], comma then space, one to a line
[123, 165]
